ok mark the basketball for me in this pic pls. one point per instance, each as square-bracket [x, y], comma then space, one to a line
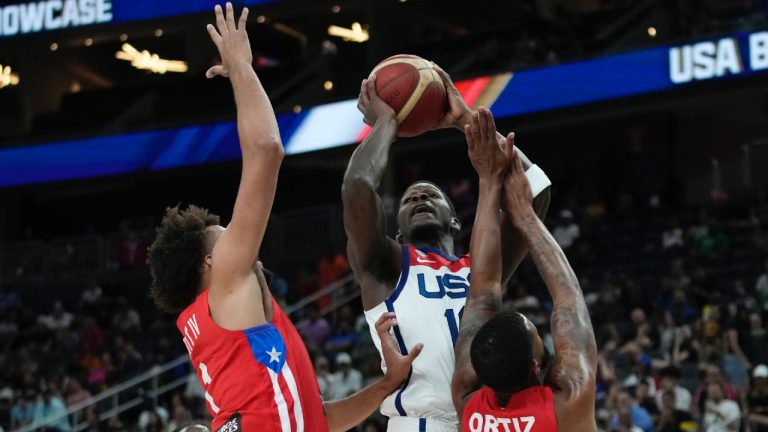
[415, 91]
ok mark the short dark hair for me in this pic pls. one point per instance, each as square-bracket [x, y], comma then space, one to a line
[671, 372]
[502, 352]
[176, 256]
[445, 195]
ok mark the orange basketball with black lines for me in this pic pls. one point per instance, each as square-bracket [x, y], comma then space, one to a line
[414, 89]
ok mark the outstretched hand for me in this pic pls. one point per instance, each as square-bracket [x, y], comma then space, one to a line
[517, 196]
[457, 108]
[486, 150]
[398, 365]
[231, 40]
[370, 104]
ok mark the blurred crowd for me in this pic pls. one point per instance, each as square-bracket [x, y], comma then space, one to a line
[678, 302]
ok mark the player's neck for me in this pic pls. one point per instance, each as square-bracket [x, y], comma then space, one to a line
[502, 398]
[442, 242]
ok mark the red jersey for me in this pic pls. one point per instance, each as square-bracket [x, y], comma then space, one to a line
[530, 410]
[258, 379]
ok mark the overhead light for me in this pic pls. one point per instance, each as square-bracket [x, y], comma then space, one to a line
[123, 37]
[354, 34]
[297, 109]
[402, 1]
[88, 42]
[336, 9]
[158, 32]
[148, 61]
[54, 46]
[261, 19]
[8, 77]
[328, 85]
[652, 31]
[75, 87]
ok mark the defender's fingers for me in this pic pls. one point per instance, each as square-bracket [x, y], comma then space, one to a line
[230, 17]
[221, 24]
[243, 19]
[215, 36]
[214, 71]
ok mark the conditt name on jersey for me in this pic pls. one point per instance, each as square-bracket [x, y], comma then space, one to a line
[38, 16]
[488, 423]
[439, 286]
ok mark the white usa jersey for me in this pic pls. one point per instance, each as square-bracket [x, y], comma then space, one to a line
[428, 301]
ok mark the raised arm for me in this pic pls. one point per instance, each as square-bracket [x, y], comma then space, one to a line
[484, 297]
[374, 257]
[513, 248]
[347, 413]
[235, 296]
[574, 368]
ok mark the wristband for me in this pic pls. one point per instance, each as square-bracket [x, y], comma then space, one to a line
[537, 179]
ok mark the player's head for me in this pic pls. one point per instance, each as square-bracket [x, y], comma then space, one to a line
[180, 256]
[508, 354]
[425, 213]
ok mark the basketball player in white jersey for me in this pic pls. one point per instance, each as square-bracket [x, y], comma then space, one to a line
[416, 274]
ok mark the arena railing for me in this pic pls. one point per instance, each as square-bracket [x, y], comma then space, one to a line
[119, 398]
[135, 391]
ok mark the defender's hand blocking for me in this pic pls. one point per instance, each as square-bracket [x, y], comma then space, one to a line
[231, 40]
[457, 108]
[517, 197]
[370, 104]
[486, 151]
[398, 365]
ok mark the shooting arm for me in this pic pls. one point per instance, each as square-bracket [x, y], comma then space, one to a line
[370, 249]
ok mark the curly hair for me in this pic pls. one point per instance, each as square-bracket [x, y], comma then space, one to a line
[176, 256]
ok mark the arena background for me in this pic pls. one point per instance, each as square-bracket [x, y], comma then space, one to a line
[650, 117]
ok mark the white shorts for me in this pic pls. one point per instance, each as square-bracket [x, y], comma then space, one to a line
[415, 424]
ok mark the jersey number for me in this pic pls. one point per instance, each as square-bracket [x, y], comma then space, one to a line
[453, 323]
[207, 380]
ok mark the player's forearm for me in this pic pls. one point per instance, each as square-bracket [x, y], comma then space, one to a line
[369, 161]
[485, 243]
[256, 123]
[548, 257]
[349, 412]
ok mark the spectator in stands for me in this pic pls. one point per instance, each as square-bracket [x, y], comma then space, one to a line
[9, 299]
[757, 400]
[761, 286]
[645, 401]
[566, 231]
[640, 418]
[75, 392]
[331, 267]
[720, 414]
[672, 237]
[670, 382]
[180, 414]
[6, 401]
[23, 411]
[324, 376]
[671, 418]
[713, 376]
[152, 418]
[314, 329]
[50, 405]
[126, 319]
[344, 339]
[346, 380]
[676, 279]
[758, 339]
[92, 296]
[57, 319]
